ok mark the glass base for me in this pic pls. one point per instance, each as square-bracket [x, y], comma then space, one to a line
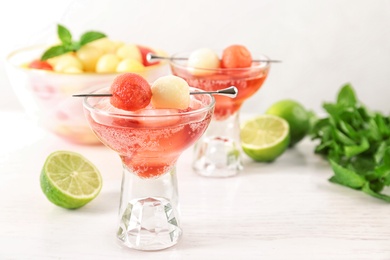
[217, 157]
[149, 213]
[149, 224]
[218, 151]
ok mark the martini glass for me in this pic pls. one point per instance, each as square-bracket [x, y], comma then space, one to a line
[218, 152]
[149, 143]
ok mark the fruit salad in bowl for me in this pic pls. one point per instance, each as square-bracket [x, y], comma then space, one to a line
[45, 77]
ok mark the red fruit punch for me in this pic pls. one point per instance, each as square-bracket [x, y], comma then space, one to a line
[144, 51]
[40, 65]
[130, 91]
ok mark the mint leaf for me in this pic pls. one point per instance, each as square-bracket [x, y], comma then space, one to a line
[346, 96]
[380, 152]
[362, 165]
[382, 173]
[386, 157]
[342, 138]
[348, 130]
[332, 109]
[374, 130]
[386, 179]
[383, 125]
[352, 150]
[90, 37]
[54, 51]
[64, 35]
[367, 189]
[68, 44]
[346, 177]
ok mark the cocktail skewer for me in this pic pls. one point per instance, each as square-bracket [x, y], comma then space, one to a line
[228, 92]
[150, 57]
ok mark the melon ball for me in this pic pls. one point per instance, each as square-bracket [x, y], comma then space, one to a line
[107, 63]
[106, 45]
[203, 58]
[89, 55]
[53, 61]
[170, 92]
[67, 61]
[130, 65]
[129, 51]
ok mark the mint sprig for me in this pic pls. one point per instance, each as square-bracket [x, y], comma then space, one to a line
[68, 44]
[356, 141]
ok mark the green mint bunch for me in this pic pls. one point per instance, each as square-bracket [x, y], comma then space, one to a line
[356, 141]
[68, 44]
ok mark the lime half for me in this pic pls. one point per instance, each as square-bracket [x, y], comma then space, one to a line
[265, 137]
[69, 180]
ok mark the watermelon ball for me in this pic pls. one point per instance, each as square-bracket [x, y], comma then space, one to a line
[236, 56]
[144, 52]
[170, 92]
[40, 65]
[130, 91]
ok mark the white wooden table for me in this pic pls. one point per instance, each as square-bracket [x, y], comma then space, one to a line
[283, 210]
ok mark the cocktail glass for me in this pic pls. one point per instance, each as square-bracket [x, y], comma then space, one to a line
[149, 143]
[218, 152]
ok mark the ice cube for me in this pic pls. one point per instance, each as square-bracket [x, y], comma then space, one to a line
[195, 104]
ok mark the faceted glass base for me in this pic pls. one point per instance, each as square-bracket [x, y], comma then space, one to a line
[218, 151]
[217, 157]
[149, 224]
[149, 211]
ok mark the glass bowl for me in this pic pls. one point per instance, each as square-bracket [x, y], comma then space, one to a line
[47, 95]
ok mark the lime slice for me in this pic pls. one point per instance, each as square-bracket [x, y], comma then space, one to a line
[69, 180]
[265, 137]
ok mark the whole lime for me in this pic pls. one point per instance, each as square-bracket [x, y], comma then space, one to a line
[295, 114]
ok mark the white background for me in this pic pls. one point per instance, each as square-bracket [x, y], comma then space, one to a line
[323, 44]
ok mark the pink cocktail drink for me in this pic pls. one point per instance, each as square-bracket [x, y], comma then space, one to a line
[218, 152]
[149, 142]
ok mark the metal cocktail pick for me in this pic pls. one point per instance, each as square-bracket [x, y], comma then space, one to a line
[150, 57]
[228, 92]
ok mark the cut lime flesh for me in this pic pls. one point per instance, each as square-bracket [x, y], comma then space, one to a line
[265, 137]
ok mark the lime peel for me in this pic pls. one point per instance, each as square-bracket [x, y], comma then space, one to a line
[295, 114]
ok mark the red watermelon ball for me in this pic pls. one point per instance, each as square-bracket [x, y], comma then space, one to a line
[130, 91]
[41, 65]
[236, 56]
